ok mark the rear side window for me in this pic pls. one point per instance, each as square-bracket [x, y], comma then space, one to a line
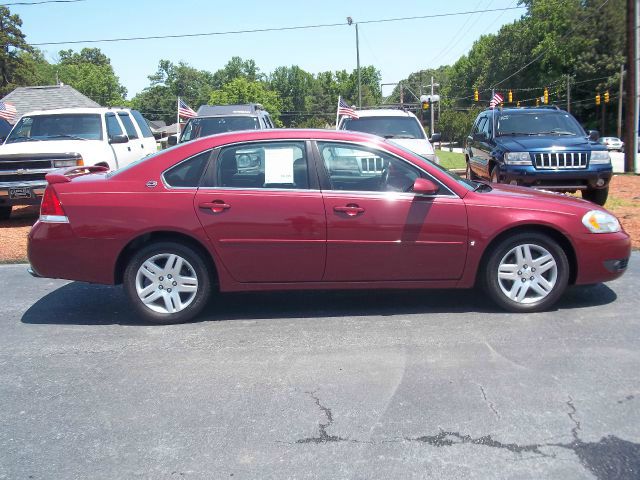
[113, 127]
[142, 124]
[187, 173]
[264, 165]
[128, 125]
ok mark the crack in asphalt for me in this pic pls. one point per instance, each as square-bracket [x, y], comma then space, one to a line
[574, 430]
[491, 406]
[324, 437]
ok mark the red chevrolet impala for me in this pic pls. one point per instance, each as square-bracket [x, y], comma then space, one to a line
[313, 209]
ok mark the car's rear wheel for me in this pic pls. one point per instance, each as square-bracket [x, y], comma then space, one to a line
[167, 282]
[5, 213]
[596, 195]
[526, 272]
[494, 174]
[469, 173]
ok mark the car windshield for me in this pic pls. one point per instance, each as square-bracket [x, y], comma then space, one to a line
[537, 123]
[73, 126]
[468, 184]
[202, 127]
[387, 127]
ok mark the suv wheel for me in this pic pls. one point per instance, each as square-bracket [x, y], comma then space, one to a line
[167, 282]
[494, 174]
[526, 272]
[598, 196]
[5, 213]
[469, 173]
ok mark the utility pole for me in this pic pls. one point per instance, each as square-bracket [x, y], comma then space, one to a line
[401, 95]
[350, 22]
[568, 93]
[630, 118]
[620, 102]
[431, 106]
[603, 124]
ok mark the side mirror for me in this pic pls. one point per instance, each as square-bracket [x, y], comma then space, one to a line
[424, 186]
[435, 137]
[478, 136]
[118, 139]
[594, 135]
[172, 140]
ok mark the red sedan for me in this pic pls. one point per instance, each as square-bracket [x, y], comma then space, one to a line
[313, 209]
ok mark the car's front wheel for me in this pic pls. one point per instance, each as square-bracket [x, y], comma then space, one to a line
[167, 282]
[526, 272]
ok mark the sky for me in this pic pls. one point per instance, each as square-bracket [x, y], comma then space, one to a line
[395, 48]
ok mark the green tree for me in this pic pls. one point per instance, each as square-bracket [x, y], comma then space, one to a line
[12, 45]
[242, 90]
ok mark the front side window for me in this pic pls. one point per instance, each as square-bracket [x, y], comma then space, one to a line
[128, 125]
[357, 168]
[263, 165]
[187, 173]
[57, 127]
[113, 126]
[387, 127]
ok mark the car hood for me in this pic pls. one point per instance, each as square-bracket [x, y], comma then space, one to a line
[545, 143]
[417, 145]
[86, 148]
[531, 198]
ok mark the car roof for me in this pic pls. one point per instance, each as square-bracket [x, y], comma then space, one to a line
[63, 111]
[251, 109]
[525, 110]
[384, 112]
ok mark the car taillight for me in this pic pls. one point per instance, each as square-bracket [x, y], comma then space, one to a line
[51, 210]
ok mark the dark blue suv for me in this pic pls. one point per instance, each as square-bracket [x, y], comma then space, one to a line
[544, 148]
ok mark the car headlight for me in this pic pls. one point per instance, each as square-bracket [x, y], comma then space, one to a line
[67, 163]
[600, 157]
[517, 158]
[598, 221]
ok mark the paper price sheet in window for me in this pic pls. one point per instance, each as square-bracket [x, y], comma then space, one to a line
[278, 165]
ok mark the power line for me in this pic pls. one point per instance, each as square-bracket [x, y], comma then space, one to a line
[24, 4]
[272, 29]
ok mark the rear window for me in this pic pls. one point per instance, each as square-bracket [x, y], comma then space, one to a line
[142, 124]
[201, 127]
[387, 127]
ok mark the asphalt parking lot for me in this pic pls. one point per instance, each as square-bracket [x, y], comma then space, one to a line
[336, 385]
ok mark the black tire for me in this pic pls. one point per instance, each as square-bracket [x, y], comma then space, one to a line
[492, 284]
[194, 260]
[596, 195]
[5, 213]
[469, 173]
[494, 175]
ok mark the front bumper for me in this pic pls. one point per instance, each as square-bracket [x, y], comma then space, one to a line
[560, 180]
[36, 189]
[601, 257]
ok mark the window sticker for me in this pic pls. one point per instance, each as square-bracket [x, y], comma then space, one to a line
[278, 165]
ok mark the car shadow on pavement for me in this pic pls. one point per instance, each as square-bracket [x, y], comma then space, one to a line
[79, 303]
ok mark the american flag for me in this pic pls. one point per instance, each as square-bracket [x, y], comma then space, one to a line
[345, 109]
[7, 111]
[496, 100]
[184, 110]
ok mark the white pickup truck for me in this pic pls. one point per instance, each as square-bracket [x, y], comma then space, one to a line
[44, 140]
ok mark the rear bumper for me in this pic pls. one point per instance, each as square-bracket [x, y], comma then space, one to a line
[560, 180]
[602, 257]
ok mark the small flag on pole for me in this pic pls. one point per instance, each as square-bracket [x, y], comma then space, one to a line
[7, 111]
[345, 109]
[496, 100]
[184, 111]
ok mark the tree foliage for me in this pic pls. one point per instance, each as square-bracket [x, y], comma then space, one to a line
[12, 47]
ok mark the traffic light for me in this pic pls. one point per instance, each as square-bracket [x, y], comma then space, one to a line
[537, 102]
[510, 96]
[606, 96]
[597, 99]
[518, 103]
[546, 95]
[425, 105]
[475, 95]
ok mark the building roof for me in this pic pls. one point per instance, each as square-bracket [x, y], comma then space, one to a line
[49, 97]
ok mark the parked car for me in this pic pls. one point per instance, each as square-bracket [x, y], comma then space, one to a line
[401, 126]
[45, 140]
[299, 209]
[213, 119]
[612, 143]
[543, 148]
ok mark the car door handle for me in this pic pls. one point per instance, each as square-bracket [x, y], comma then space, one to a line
[216, 206]
[352, 210]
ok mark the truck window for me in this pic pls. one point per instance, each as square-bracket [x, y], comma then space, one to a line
[128, 125]
[142, 124]
[113, 127]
